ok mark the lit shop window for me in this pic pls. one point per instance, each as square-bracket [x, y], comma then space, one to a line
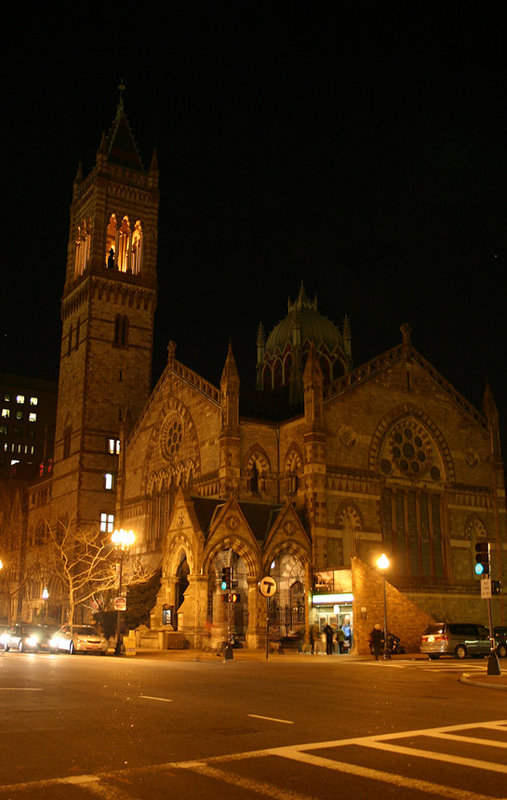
[107, 523]
[14, 461]
[34, 401]
[20, 398]
[108, 480]
[6, 412]
[32, 417]
[113, 446]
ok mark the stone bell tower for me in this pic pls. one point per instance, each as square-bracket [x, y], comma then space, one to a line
[107, 312]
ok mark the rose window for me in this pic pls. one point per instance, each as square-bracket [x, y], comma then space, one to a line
[408, 451]
[172, 436]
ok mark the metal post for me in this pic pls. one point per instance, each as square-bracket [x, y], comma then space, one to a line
[493, 662]
[267, 627]
[387, 654]
[118, 648]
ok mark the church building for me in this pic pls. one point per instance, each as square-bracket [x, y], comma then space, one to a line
[306, 478]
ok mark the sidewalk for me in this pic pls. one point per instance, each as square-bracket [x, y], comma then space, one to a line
[290, 656]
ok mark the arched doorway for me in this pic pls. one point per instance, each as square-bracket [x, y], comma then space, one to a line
[287, 607]
[228, 608]
[181, 586]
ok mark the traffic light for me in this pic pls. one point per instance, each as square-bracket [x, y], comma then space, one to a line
[482, 558]
[235, 597]
[226, 579]
[496, 587]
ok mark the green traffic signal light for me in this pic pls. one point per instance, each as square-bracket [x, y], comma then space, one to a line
[482, 558]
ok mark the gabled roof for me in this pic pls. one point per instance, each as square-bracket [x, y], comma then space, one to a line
[259, 516]
[402, 353]
[121, 145]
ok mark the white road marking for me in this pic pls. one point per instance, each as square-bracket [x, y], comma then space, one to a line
[302, 753]
[386, 777]
[162, 699]
[273, 719]
[250, 785]
[433, 756]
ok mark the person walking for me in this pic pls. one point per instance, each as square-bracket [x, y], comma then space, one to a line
[377, 640]
[314, 638]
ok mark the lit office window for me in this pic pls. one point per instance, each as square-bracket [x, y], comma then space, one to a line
[19, 415]
[20, 398]
[34, 401]
[32, 417]
[3, 430]
[6, 412]
[113, 446]
[107, 523]
[108, 480]
[7, 398]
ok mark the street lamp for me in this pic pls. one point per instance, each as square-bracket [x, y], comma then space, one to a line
[121, 540]
[383, 564]
[45, 597]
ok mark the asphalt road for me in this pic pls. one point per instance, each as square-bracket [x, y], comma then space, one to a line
[125, 729]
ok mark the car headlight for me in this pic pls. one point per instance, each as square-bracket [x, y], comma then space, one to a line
[32, 641]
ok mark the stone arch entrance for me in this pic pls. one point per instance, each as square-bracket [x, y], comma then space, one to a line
[287, 607]
[228, 620]
[181, 585]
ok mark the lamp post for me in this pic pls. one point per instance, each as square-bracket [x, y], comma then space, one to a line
[121, 540]
[383, 564]
[45, 597]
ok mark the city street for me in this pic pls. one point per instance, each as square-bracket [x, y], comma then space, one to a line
[303, 727]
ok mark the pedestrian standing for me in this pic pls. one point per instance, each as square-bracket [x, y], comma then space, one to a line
[329, 638]
[377, 640]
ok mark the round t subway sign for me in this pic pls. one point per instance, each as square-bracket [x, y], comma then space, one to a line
[267, 586]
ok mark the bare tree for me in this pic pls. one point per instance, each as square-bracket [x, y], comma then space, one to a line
[83, 563]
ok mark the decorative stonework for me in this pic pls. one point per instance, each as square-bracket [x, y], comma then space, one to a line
[408, 444]
[171, 436]
[232, 522]
[289, 528]
[173, 449]
[347, 436]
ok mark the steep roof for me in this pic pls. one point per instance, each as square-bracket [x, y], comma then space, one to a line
[121, 145]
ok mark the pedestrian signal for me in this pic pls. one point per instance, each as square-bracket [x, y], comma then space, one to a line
[235, 597]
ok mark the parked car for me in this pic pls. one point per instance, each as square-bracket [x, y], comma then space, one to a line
[458, 639]
[501, 641]
[79, 639]
[25, 636]
[4, 636]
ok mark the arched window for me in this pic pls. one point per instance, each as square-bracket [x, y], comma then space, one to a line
[267, 381]
[82, 255]
[137, 248]
[67, 435]
[121, 331]
[111, 243]
[122, 262]
[277, 374]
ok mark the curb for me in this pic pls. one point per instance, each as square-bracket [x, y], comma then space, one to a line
[488, 683]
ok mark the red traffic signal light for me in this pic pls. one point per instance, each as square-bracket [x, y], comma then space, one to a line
[482, 558]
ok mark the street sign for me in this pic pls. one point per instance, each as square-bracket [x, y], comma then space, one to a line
[485, 588]
[120, 603]
[267, 586]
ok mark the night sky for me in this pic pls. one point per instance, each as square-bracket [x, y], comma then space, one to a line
[359, 148]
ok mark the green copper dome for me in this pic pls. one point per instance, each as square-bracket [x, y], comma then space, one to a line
[312, 325]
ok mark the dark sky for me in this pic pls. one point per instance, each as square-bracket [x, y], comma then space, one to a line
[360, 149]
